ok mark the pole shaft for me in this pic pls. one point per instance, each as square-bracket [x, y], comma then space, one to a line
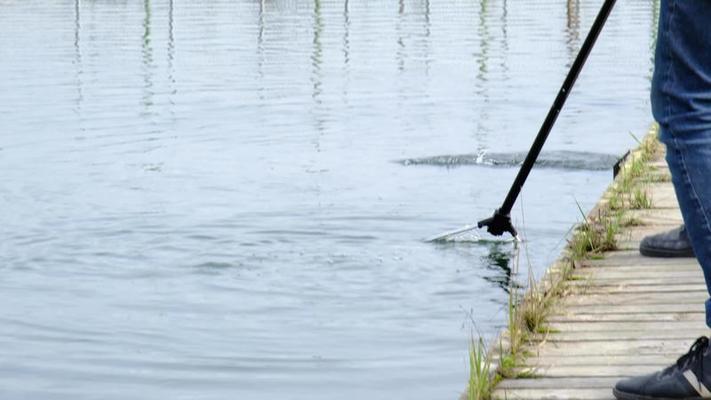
[557, 106]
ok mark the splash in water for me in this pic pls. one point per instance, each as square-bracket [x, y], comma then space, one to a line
[577, 160]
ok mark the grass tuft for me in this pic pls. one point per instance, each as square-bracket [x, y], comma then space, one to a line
[640, 199]
[481, 381]
[631, 221]
[594, 235]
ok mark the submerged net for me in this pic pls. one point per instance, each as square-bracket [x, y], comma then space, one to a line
[469, 234]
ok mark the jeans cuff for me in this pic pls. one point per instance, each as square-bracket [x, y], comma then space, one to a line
[708, 312]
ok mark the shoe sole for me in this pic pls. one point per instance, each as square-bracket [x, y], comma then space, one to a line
[668, 253]
[631, 396]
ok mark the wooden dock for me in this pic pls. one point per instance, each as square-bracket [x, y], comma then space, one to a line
[625, 315]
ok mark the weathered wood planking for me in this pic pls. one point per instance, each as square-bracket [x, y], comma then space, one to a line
[623, 314]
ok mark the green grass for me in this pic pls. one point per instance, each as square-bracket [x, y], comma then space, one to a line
[631, 221]
[507, 363]
[640, 199]
[527, 374]
[594, 235]
[638, 167]
[579, 278]
[534, 306]
[517, 335]
[630, 189]
[481, 380]
[616, 202]
[654, 177]
[650, 147]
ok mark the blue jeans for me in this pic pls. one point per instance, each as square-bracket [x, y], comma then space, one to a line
[681, 103]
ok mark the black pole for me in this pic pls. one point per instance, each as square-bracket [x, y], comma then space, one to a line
[500, 222]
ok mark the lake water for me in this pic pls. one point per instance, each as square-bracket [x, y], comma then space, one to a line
[207, 200]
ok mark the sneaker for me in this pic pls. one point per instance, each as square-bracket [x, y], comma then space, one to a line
[685, 379]
[673, 243]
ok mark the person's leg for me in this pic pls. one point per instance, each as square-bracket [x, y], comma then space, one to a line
[681, 102]
[689, 160]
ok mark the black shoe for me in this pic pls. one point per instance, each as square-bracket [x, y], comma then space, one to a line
[673, 243]
[686, 379]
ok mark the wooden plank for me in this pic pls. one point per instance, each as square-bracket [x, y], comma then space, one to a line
[542, 383]
[660, 165]
[610, 309]
[663, 195]
[658, 176]
[597, 371]
[639, 298]
[551, 348]
[631, 335]
[622, 326]
[637, 233]
[640, 285]
[650, 269]
[671, 275]
[647, 359]
[632, 257]
[668, 217]
[561, 316]
[554, 394]
[680, 265]
[658, 292]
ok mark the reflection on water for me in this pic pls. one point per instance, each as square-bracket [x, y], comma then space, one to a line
[147, 59]
[200, 199]
[498, 260]
[77, 57]
[573, 28]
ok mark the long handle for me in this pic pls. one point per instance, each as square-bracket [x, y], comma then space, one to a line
[505, 210]
[557, 106]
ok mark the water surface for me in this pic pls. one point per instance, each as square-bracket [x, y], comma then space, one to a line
[203, 199]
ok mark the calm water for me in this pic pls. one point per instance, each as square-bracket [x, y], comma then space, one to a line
[203, 199]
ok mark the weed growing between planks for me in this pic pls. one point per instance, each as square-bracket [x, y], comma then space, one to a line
[481, 380]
